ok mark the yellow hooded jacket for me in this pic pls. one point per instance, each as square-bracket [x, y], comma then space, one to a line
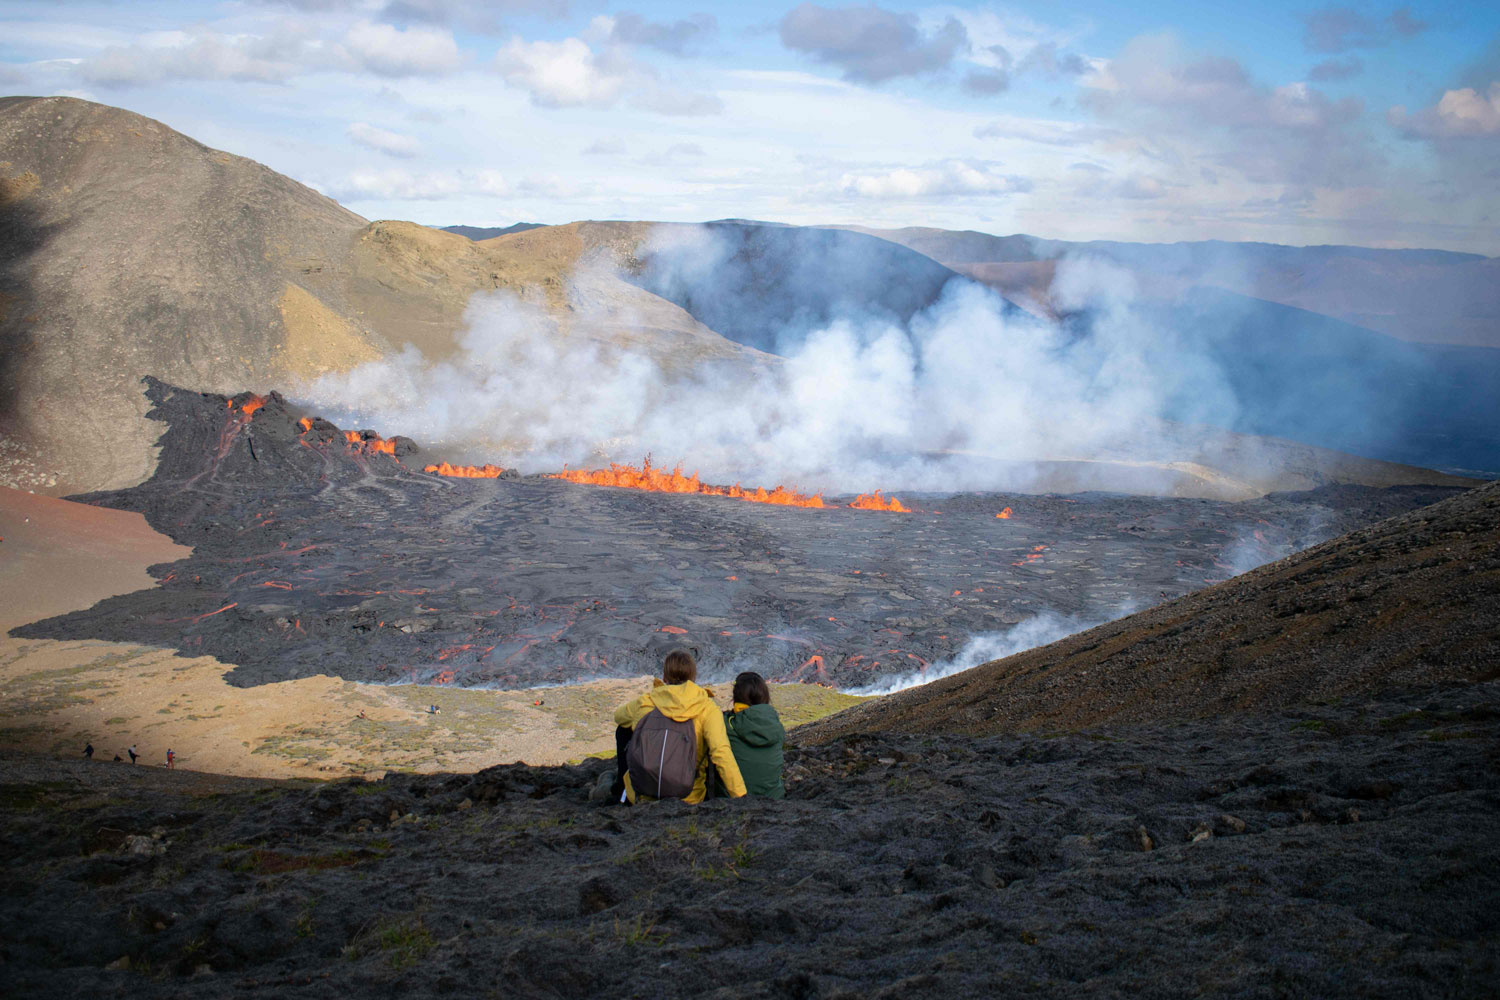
[681, 702]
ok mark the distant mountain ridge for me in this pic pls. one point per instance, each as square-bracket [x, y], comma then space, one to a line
[1424, 296]
[478, 233]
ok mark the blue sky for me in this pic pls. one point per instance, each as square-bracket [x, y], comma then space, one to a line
[1364, 123]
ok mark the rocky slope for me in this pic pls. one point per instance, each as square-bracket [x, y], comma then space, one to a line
[1411, 600]
[1341, 850]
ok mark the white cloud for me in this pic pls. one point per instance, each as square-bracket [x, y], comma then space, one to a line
[390, 143]
[1194, 110]
[561, 74]
[1140, 188]
[1040, 130]
[953, 177]
[200, 55]
[404, 185]
[1459, 114]
[569, 73]
[392, 51]
[288, 49]
[605, 147]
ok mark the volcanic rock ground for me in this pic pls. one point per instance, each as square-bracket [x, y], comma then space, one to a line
[1344, 846]
[1407, 601]
[314, 556]
[1347, 849]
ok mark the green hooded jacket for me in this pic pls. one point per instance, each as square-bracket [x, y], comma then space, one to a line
[756, 736]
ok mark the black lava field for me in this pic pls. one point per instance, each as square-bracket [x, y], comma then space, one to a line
[321, 552]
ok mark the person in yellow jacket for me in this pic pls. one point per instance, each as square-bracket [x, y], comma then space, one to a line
[680, 699]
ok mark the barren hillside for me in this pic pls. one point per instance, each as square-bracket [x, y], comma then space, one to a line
[132, 248]
[1410, 601]
[127, 249]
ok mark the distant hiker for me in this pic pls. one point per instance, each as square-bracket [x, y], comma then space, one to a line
[117, 758]
[170, 757]
[361, 715]
[756, 736]
[133, 754]
[88, 751]
[433, 710]
[675, 731]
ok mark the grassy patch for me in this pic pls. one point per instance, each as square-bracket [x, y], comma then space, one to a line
[639, 931]
[405, 941]
[293, 747]
[799, 704]
[710, 854]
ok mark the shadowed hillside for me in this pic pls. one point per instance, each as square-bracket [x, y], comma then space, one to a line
[1408, 601]
[766, 286]
[131, 247]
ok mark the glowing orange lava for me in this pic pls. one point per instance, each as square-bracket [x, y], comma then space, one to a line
[874, 501]
[659, 480]
[1034, 555]
[249, 406]
[1004, 515]
[306, 423]
[485, 471]
[376, 444]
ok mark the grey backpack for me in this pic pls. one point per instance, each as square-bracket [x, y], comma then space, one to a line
[663, 757]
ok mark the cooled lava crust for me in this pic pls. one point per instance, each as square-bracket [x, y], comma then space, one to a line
[320, 551]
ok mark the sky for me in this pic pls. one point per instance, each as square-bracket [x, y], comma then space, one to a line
[1362, 123]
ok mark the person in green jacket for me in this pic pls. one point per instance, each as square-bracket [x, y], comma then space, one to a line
[756, 737]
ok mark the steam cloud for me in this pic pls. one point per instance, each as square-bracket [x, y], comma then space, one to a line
[1038, 630]
[968, 393]
[963, 395]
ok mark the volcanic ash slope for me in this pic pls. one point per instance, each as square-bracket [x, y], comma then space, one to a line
[1410, 600]
[1349, 850]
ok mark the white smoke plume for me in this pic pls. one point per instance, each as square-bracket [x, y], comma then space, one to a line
[963, 396]
[1038, 630]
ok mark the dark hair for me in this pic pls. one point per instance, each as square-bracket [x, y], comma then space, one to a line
[679, 667]
[750, 689]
